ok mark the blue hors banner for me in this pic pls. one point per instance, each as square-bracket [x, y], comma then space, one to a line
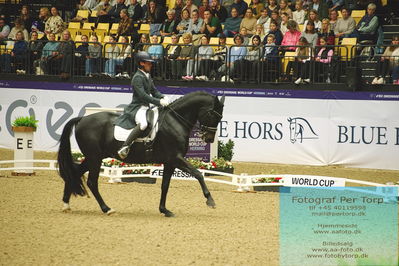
[339, 226]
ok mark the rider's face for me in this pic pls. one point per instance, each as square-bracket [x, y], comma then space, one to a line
[146, 66]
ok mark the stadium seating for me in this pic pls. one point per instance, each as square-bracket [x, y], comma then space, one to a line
[102, 29]
[83, 14]
[144, 28]
[356, 15]
[114, 28]
[346, 51]
[87, 28]
[74, 28]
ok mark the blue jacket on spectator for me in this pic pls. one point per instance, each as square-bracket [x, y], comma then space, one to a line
[241, 7]
[277, 34]
[49, 48]
[20, 48]
[237, 53]
[155, 51]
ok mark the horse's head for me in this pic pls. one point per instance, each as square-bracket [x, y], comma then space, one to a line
[209, 118]
[293, 127]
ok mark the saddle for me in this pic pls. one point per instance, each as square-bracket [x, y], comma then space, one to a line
[149, 133]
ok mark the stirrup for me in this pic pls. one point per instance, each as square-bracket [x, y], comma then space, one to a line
[124, 152]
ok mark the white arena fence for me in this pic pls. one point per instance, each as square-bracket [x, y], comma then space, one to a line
[242, 182]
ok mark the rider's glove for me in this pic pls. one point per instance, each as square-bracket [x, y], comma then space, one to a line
[164, 101]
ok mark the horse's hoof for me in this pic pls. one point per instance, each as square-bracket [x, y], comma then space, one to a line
[169, 214]
[211, 204]
[66, 208]
[110, 211]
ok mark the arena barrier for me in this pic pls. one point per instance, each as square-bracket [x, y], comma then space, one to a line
[242, 182]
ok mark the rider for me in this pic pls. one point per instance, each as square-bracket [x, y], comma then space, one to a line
[144, 94]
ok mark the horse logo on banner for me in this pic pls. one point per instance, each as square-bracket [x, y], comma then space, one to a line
[300, 129]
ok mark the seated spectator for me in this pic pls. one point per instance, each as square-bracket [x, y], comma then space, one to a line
[126, 25]
[112, 63]
[81, 52]
[386, 62]
[155, 17]
[345, 25]
[367, 28]
[241, 7]
[320, 7]
[196, 23]
[250, 66]
[236, 53]
[4, 30]
[219, 57]
[184, 23]
[211, 26]
[272, 6]
[256, 6]
[302, 61]
[245, 36]
[284, 21]
[172, 53]
[299, 14]
[54, 24]
[115, 11]
[284, 8]
[135, 11]
[264, 20]
[232, 24]
[275, 16]
[89, 4]
[19, 27]
[278, 36]
[322, 60]
[143, 44]
[249, 22]
[169, 25]
[112, 51]
[313, 16]
[156, 52]
[78, 6]
[336, 5]
[103, 8]
[270, 60]
[205, 6]
[93, 59]
[18, 56]
[291, 37]
[185, 59]
[259, 31]
[333, 18]
[26, 18]
[64, 55]
[310, 34]
[326, 32]
[218, 11]
[35, 48]
[39, 25]
[203, 62]
[190, 6]
[178, 9]
[49, 52]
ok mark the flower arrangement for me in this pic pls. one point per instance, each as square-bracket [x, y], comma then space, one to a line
[268, 180]
[117, 163]
[216, 163]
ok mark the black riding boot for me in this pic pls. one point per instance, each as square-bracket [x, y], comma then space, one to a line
[124, 151]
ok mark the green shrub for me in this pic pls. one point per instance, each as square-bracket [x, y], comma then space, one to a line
[225, 151]
[25, 121]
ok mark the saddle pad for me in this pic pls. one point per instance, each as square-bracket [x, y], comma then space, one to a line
[121, 133]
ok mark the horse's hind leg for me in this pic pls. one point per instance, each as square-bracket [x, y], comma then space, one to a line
[81, 169]
[167, 174]
[92, 183]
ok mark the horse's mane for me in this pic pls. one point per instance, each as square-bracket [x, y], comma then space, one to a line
[184, 99]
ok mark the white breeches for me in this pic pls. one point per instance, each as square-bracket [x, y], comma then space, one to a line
[141, 117]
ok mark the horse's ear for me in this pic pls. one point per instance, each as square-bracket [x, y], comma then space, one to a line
[289, 119]
[222, 100]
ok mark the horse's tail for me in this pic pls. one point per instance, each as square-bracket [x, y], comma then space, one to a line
[66, 165]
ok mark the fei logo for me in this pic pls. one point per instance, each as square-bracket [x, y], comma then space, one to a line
[300, 129]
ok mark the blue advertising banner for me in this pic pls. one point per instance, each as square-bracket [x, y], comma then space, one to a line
[339, 226]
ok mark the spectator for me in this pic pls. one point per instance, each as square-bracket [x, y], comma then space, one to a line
[302, 61]
[219, 57]
[321, 8]
[135, 11]
[54, 24]
[35, 48]
[172, 53]
[4, 30]
[336, 4]
[211, 26]
[115, 11]
[367, 28]
[182, 27]
[241, 7]
[291, 37]
[178, 9]
[196, 23]
[156, 52]
[64, 54]
[272, 6]
[112, 63]
[39, 25]
[284, 8]
[345, 25]
[89, 4]
[112, 51]
[126, 24]
[278, 36]
[103, 8]
[169, 25]
[256, 6]
[249, 22]
[205, 6]
[276, 17]
[203, 60]
[333, 19]
[81, 52]
[155, 17]
[310, 34]
[18, 56]
[143, 44]
[218, 11]
[237, 52]
[284, 22]
[245, 36]
[19, 27]
[93, 58]
[299, 14]
[326, 32]
[49, 53]
[190, 6]
[252, 59]
[313, 16]
[270, 59]
[387, 62]
[78, 6]
[322, 61]
[26, 18]
[185, 58]
[259, 31]
[264, 20]
[232, 24]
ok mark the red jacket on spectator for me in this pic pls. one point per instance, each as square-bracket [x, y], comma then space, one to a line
[291, 38]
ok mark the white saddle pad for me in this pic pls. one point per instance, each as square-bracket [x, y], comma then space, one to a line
[121, 133]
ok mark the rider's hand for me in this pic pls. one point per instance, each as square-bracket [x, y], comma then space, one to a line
[164, 101]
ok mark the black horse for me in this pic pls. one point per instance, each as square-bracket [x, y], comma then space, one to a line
[95, 137]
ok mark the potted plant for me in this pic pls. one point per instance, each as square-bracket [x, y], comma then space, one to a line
[24, 124]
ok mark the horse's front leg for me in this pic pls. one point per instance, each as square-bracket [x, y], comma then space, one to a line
[167, 174]
[188, 168]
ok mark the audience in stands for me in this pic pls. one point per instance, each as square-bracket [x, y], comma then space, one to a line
[39, 25]
[93, 59]
[237, 52]
[322, 60]
[172, 53]
[270, 60]
[114, 12]
[124, 52]
[178, 9]
[299, 14]
[232, 24]
[284, 21]
[169, 25]
[184, 62]
[310, 34]
[241, 7]
[64, 55]
[264, 20]
[257, 6]
[249, 21]
[190, 6]
[219, 56]
[45, 64]
[333, 18]
[155, 16]
[246, 36]
[126, 24]
[259, 30]
[275, 16]
[320, 7]
[204, 6]
[144, 42]
[278, 36]
[155, 50]
[336, 4]
[18, 56]
[19, 27]
[218, 11]
[4, 30]
[313, 16]
[252, 59]
[81, 52]
[35, 48]
[112, 51]
[184, 23]
[302, 61]
[345, 25]
[387, 62]
[135, 11]
[272, 6]
[54, 24]
[203, 62]
[102, 11]
[291, 37]
[366, 29]
[326, 32]
[26, 17]
[284, 8]
[195, 26]
[211, 26]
